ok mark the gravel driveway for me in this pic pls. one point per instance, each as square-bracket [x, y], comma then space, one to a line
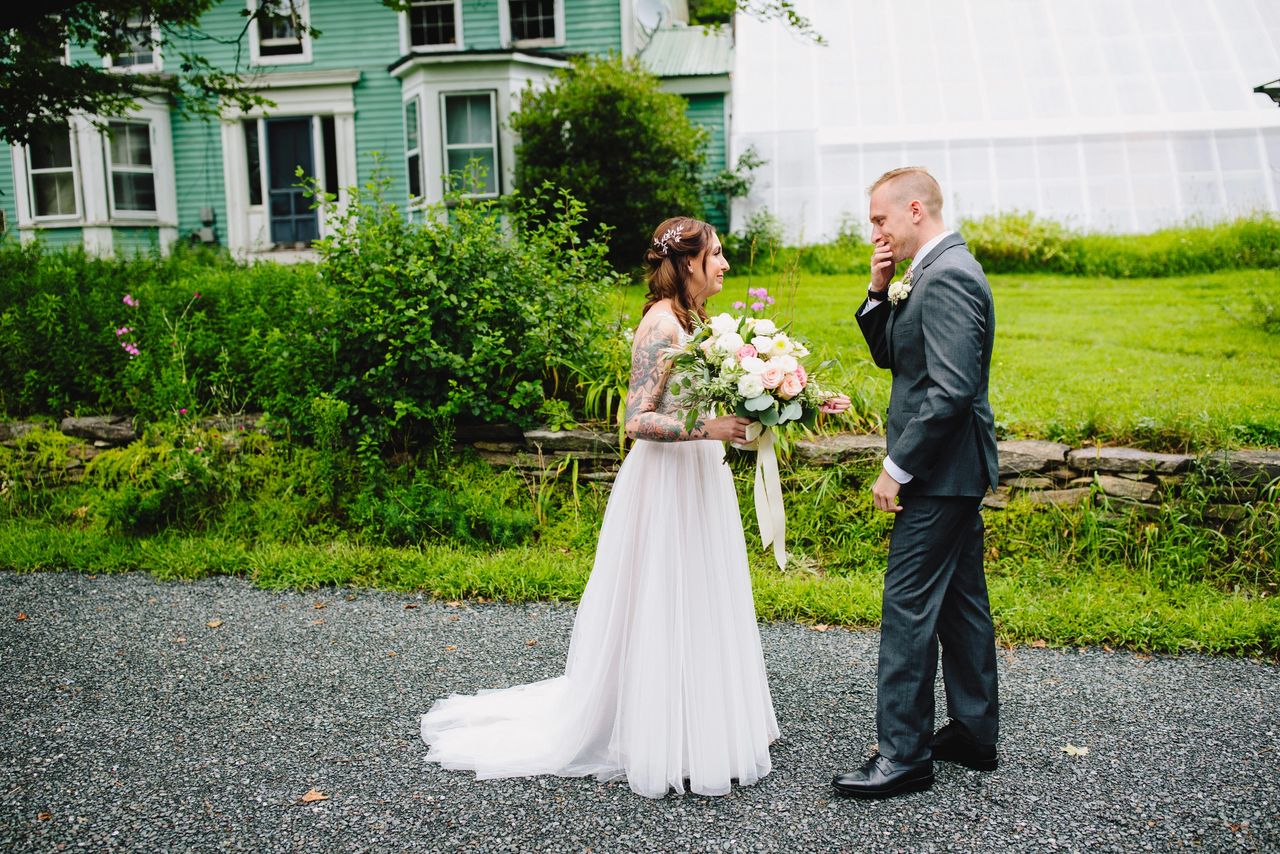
[148, 716]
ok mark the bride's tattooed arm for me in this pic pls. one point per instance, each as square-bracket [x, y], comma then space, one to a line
[650, 368]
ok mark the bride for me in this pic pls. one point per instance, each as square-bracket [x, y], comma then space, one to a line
[665, 681]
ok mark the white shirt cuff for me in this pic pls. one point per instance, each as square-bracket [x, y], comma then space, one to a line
[895, 472]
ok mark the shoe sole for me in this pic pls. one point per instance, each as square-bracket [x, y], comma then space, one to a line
[975, 764]
[917, 785]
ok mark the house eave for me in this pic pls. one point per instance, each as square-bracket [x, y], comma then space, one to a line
[697, 84]
[411, 61]
[299, 79]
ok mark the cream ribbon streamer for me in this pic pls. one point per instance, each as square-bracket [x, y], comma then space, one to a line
[770, 515]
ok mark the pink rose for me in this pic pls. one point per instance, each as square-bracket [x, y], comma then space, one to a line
[802, 375]
[771, 376]
[746, 351]
[790, 387]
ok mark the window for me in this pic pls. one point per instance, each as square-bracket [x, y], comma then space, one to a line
[280, 32]
[533, 20]
[142, 54]
[413, 148]
[52, 174]
[133, 179]
[254, 155]
[433, 23]
[469, 134]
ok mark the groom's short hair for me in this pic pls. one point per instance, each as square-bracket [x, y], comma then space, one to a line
[913, 182]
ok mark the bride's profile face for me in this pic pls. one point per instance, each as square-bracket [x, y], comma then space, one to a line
[706, 271]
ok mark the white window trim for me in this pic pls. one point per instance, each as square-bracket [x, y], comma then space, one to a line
[255, 48]
[117, 215]
[495, 142]
[420, 200]
[22, 158]
[504, 28]
[296, 93]
[406, 45]
[157, 58]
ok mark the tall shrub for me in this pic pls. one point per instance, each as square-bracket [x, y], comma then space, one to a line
[459, 316]
[605, 132]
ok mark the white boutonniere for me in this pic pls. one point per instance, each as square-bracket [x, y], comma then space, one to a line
[900, 290]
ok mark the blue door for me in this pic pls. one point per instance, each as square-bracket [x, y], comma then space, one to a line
[288, 147]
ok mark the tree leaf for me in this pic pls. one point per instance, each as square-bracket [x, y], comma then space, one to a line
[312, 796]
[1072, 750]
[213, 624]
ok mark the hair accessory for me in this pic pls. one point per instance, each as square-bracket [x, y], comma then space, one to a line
[670, 235]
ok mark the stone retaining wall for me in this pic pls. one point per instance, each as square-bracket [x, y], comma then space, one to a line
[1043, 472]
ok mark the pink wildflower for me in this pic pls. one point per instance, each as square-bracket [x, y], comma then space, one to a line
[757, 306]
[182, 411]
[130, 301]
[739, 305]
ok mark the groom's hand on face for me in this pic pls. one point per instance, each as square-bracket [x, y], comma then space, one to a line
[885, 493]
[882, 265]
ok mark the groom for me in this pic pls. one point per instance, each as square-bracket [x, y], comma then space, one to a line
[933, 331]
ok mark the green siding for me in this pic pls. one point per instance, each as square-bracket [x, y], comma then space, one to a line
[8, 199]
[593, 26]
[60, 238]
[708, 111]
[480, 28]
[136, 240]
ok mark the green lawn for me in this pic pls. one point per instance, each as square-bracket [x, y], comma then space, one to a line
[1164, 363]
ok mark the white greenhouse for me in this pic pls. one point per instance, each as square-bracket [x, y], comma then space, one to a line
[1106, 115]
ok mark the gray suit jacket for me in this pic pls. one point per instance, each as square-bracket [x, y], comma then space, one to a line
[937, 342]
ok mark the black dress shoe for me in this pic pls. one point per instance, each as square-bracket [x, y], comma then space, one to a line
[882, 777]
[954, 743]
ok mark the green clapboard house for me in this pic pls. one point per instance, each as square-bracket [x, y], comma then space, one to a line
[426, 90]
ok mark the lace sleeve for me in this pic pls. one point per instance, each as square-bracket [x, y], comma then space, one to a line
[650, 368]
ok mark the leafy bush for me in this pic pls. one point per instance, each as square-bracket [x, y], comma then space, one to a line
[199, 332]
[605, 132]
[459, 316]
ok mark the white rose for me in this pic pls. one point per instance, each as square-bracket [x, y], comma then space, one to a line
[729, 365]
[787, 363]
[750, 386]
[753, 365]
[764, 326]
[723, 323]
[729, 342]
[762, 343]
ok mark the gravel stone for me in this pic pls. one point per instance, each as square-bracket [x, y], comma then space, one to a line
[131, 724]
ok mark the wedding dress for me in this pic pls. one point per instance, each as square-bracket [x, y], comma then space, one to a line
[665, 680]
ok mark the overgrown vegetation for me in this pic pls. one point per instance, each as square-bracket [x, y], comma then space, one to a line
[1025, 243]
[248, 504]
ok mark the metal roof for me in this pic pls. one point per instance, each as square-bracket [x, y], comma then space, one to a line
[689, 51]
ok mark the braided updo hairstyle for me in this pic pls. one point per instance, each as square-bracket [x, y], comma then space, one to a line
[666, 268]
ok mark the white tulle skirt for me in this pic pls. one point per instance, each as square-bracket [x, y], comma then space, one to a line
[665, 681]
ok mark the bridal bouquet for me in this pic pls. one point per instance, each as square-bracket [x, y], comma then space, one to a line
[747, 366]
[754, 369]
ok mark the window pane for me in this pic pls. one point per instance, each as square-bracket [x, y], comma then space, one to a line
[533, 19]
[459, 158]
[130, 144]
[140, 47]
[134, 191]
[51, 149]
[55, 193]
[277, 28]
[255, 161]
[432, 23]
[467, 120]
[411, 124]
[415, 176]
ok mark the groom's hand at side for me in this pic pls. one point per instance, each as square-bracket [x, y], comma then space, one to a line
[885, 493]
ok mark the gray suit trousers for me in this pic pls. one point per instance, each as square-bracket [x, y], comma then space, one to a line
[935, 593]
